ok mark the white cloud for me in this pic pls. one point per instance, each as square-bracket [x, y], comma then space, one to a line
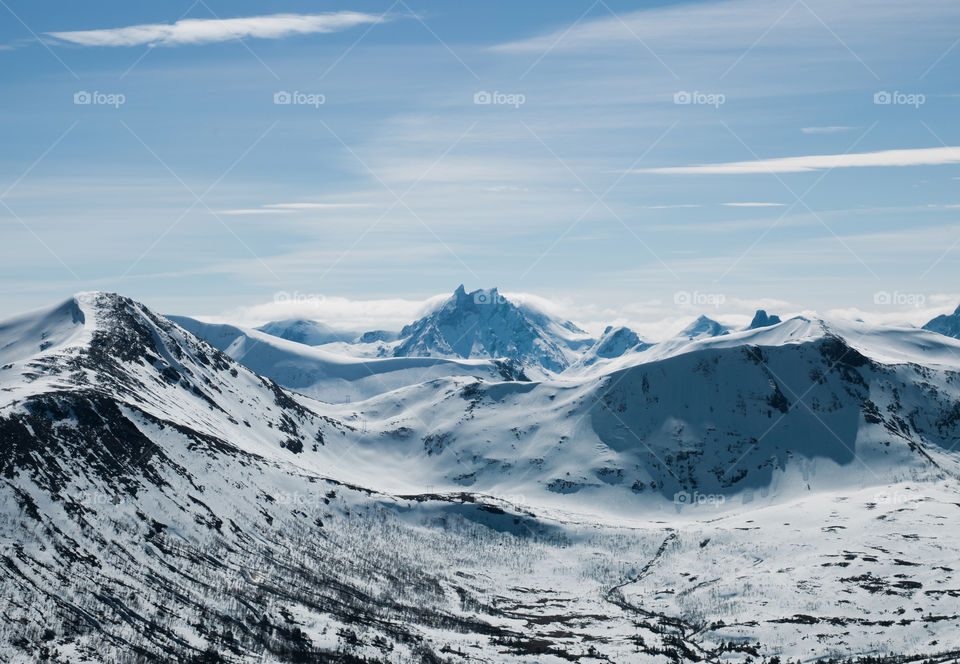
[289, 208]
[253, 211]
[752, 205]
[338, 312]
[315, 206]
[206, 31]
[910, 157]
[503, 188]
[825, 130]
[735, 24]
[928, 307]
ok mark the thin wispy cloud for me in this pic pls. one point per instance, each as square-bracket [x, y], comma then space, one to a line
[911, 157]
[315, 206]
[244, 211]
[289, 208]
[734, 24]
[826, 130]
[205, 31]
[753, 205]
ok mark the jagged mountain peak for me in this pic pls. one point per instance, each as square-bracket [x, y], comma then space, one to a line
[763, 319]
[485, 324]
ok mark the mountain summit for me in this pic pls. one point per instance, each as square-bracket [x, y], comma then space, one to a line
[704, 327]
[484, 324]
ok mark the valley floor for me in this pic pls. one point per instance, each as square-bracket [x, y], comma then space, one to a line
[328, 573]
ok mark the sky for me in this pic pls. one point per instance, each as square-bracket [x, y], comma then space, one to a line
[628, 162]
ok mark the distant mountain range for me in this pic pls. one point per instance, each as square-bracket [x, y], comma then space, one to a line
[483, 324]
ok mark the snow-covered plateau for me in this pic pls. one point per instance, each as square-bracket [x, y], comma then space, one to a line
[489, 484]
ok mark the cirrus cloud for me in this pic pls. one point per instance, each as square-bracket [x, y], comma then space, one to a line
[910, 157]
[206, 31]
[754, 205]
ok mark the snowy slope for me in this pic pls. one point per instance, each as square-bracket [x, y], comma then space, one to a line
[725, 418]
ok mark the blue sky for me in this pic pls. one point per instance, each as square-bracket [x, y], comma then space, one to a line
[185, 185]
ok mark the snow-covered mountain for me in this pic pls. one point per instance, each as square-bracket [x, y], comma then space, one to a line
[484, 324]
[779, 409]
[123, 366]
[615, 342]
[948, 324]
[703, 327]
[309, 332]
[776, 494]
